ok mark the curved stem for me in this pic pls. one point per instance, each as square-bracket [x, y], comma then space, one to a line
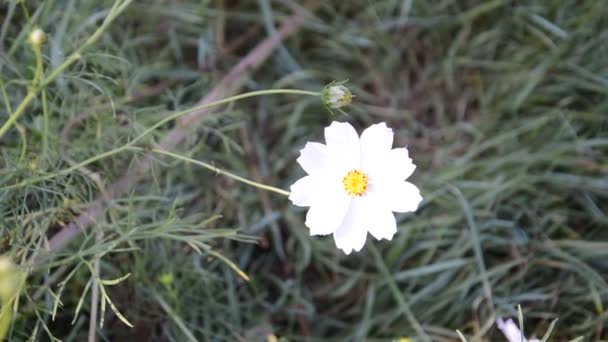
[130, 144]
[45, 123]
[223, 101]
[17, 113]
[23, 135]
[223, 172]
[38, 73]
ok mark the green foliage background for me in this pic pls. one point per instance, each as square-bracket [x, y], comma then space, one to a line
[501, 103]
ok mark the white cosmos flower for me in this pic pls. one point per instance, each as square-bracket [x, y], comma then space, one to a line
[355, 184]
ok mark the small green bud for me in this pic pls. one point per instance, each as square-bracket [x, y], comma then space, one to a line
[37, 38]
[9, 279]
[336, 96]
[166, 279]
[10, 282]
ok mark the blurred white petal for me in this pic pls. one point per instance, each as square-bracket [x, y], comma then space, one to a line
[400, 164]
[303, 191]
[352, 233]
[376, 139]
[512, 332]
[314, 158]
[400, 196]
[327, 210]
[343, 142]
[381, 222]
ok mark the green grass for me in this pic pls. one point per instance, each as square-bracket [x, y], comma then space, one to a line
[502, 105]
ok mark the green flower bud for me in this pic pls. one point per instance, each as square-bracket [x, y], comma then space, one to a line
[37, 38]
[336, 96]
[9, 279]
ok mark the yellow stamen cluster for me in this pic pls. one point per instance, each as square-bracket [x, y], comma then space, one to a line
[355, 182]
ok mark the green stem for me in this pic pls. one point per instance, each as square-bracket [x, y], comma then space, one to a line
[131, 144]
[15, 115]
[224, 101]
[38, 73]
[45, 123]
[222, 172]
[73, 167]
[23, 135]
[116, 9]
[66, 64]
[7, 103]
[6, 314]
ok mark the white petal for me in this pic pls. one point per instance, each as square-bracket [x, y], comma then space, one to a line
[381, 221]
[314, 158]
[393, 165]
[303, 191]
[337, 91]
[328, 208]
[376, 138]
[376, 142]
[510, 330]
[343, 143]
[352, 233]
[377, 157]
[400, 164]
[399, 196]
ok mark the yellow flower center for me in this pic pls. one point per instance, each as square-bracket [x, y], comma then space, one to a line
[355, 182]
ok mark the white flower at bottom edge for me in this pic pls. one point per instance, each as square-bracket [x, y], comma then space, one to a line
[354, 185]
[511, 331]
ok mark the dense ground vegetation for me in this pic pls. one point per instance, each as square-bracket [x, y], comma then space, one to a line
[503, 105]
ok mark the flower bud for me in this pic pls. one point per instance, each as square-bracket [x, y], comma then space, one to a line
[336, 96]
[37, 37]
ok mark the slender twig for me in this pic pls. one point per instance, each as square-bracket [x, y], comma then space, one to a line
[95, 295]
[223, 172]
[263, 195]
